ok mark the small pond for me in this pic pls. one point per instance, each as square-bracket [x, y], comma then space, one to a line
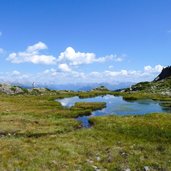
[116, 105]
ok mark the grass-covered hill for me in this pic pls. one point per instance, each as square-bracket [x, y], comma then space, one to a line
[160, 85]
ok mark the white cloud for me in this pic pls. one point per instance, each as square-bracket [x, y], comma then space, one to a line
[70, 60]
[32, 55]
[36, 47]
[47, 71]
[15, 73]
[110, 66]
[72, 57]
[64, 67]
[64, 75]
[116, 73]
[115, 58]
[15, 77]
[118, 59]
[155, 69]
[76, 58]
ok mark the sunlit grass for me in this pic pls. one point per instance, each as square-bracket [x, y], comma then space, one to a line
[37, 133]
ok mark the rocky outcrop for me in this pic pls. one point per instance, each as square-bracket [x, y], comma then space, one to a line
[160, 85]
[165, 73]
[9, 89]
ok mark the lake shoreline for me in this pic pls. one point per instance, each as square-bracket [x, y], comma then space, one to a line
[92, 104]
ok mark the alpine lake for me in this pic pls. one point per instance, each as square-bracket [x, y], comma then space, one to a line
[116, 105]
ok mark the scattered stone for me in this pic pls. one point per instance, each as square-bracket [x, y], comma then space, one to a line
[146, 168]
[124, 154]
[17, 170]
[98, 158]
[96, 168]
[90, 161]
[128, 169]
[110, 158]
[55, 162]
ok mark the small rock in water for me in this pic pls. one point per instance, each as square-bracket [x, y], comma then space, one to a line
[146, 168]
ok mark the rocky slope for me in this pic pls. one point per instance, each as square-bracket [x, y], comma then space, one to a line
[10, 89]
[161, 84]
[165, 73]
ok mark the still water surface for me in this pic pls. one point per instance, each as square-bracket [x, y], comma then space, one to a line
[116, 105]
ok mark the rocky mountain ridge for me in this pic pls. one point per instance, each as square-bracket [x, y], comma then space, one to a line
[161, 84]
[165, 73]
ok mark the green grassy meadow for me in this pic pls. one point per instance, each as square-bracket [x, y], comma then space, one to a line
[37, 133]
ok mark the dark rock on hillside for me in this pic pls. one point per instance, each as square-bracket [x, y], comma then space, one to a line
[165, 73]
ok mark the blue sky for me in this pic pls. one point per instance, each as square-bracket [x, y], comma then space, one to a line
[66, 41]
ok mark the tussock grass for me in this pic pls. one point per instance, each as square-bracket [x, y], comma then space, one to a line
[89, 105]
[37, 133]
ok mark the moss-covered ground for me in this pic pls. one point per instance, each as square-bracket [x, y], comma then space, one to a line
[37, 133]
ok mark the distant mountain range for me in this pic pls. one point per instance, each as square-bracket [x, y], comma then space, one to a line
[20, 89]
[161, 84]
[82, 86]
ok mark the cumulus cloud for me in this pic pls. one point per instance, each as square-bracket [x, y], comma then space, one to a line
[72, 57]
[63, 74]
[36, 47]
[64, 68]
[32, 54]
[155, 69]
[76, 58]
